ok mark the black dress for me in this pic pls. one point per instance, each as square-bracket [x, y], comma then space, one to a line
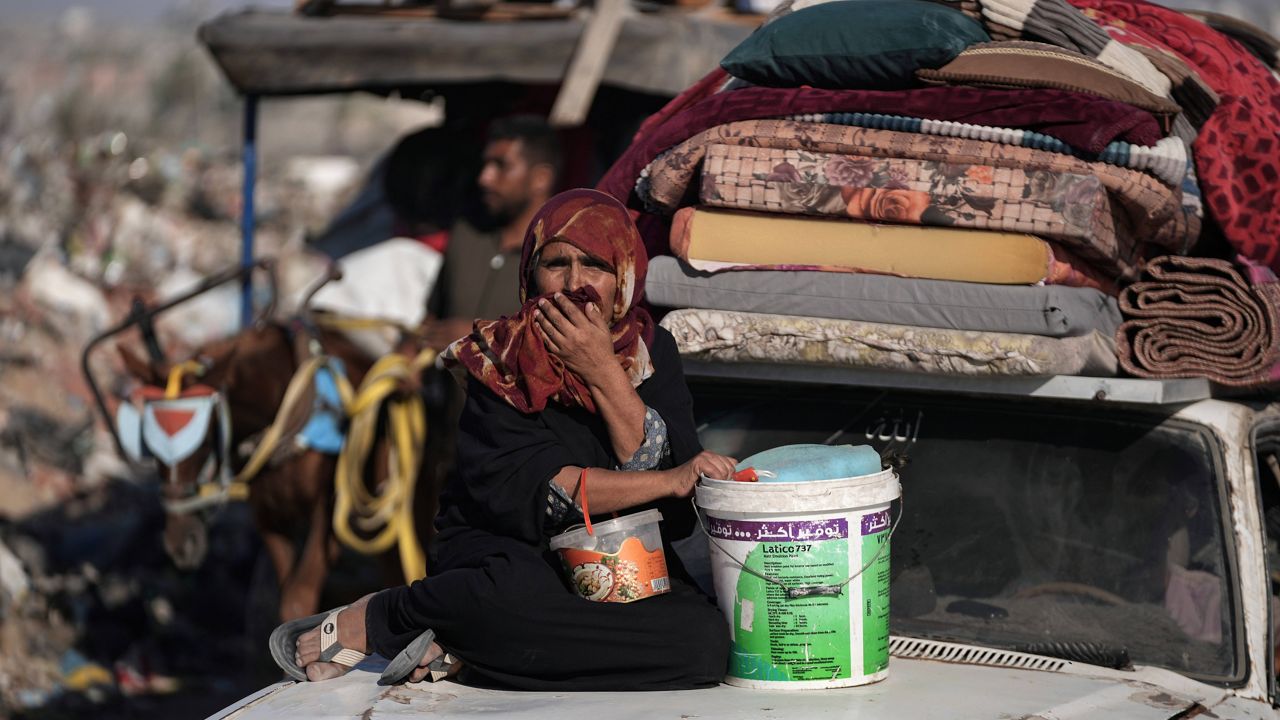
[496, 596]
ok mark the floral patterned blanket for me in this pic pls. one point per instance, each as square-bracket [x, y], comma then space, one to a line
[1143, 209]
[1067, 207]
[1083, 121]
[729, 336]
[1167, 159]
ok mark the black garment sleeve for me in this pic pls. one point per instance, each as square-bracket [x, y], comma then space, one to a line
[667, 392]
[506, 460]
[495, 512]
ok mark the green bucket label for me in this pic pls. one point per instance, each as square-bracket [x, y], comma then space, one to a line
[875, 598]
[820, 637]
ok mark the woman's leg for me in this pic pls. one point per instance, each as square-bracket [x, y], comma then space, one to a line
[351, 635]
[512, 620]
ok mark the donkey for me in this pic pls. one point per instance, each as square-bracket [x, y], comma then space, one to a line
[289, 497]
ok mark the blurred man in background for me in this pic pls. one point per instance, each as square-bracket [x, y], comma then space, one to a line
[520, 170]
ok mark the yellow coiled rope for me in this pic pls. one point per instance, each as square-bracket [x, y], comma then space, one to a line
[299, 388]
[388, 514]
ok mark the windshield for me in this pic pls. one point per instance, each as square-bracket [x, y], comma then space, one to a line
[1025, 527]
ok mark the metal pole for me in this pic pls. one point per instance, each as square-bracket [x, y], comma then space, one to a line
[250, 163]
[142, 315]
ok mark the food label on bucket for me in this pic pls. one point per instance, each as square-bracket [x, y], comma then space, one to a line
[818, 637]
[630, 574]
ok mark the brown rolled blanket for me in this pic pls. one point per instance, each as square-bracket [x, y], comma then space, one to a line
[1202, 317]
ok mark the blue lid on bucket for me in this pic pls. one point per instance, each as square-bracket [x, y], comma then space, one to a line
[801, 463]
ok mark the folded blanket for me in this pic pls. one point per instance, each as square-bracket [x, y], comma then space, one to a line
[1067, 207]
[1200, 317]
[1056, 22]
[1167, 159]
[714, 240]
[1144, 208]
[1194, 96]
[1053, 311]
[1061, 24]
[1026, 64]
[727, 336]
[1229, 95]
[1082, 121]
[1237, 152]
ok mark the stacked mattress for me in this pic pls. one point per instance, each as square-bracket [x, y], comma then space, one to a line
[923, 187]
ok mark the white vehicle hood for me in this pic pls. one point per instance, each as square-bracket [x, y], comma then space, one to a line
[915, 689]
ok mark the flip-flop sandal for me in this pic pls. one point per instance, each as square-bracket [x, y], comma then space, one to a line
[403, 664]
[284, 643]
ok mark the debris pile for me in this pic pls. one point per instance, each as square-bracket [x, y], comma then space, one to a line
[120, 178]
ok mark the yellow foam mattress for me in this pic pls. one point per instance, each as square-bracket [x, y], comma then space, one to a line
[726, 240]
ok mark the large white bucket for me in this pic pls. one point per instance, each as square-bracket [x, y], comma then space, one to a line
[801, 570]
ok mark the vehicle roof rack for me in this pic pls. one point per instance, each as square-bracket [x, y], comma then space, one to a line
[1061, 387]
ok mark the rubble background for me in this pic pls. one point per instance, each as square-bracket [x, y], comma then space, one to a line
[120, 177]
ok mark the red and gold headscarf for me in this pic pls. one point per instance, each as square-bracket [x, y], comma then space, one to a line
[508, 355]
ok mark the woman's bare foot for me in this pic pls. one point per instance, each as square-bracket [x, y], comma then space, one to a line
[433, 652]
[350, 635]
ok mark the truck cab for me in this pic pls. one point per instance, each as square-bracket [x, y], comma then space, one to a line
[1067, 547]
[1112, 524]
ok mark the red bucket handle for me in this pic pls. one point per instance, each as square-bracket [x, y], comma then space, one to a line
[586, 508]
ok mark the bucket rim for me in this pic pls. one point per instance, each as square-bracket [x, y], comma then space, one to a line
[569, 538]
[735, 486]
[790, 497]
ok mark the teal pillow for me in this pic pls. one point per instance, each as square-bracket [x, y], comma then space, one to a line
[854, 44]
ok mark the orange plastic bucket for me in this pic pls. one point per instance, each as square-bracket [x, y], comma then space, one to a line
[619, 560]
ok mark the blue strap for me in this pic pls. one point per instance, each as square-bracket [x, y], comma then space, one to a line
[323, 431]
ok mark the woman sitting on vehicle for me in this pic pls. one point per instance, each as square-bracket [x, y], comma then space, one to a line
[581, 378]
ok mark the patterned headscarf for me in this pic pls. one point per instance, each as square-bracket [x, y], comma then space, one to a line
[509, 356]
